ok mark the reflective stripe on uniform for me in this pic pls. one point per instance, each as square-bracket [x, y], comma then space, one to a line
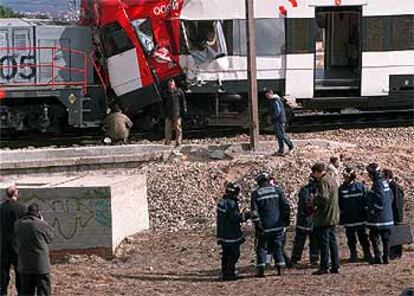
[221, 210]
[230, 240]
[268, 197]
[352, 195]
[378, 207]
[273, 229]
[355, 224]
[303, 228]
[380, 224]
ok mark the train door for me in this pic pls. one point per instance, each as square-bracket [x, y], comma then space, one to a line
[338, 51]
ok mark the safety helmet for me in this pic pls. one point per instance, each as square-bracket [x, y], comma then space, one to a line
[233, 188]
[262, 177]
[349, 172]
[373, 169]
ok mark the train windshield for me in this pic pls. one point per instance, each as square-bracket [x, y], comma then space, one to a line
[204, 40]
[145, 34]
[115, 40]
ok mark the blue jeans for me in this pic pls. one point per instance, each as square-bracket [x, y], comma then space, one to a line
[281, 136]
[328, 247]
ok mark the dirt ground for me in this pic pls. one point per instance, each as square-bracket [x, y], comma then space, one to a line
[187, 263]
[179, 255]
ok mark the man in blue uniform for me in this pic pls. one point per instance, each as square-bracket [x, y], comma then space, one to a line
[380, 219]
[352, 203]
[271, 212]
[304, 227]
[279, 121]
[229, 234]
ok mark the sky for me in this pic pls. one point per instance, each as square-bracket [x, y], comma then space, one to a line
[37, 5]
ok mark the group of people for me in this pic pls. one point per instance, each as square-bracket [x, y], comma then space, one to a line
[24, 239]
[323, 203]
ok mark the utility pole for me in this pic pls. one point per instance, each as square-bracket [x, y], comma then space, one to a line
[251, 76]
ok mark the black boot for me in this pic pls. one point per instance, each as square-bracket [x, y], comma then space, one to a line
[367, 253]
[224, 270]
[354, 257]
[385, 259]
[260, 272]
[279, 271]
[232, 272]
[376, 260]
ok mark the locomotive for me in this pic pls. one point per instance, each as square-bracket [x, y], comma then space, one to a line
[328, 54]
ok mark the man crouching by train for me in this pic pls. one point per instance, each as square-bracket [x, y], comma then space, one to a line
[229, 234]
[270, 214]
[117, 126]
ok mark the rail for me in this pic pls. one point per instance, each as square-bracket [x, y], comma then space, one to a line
[21, 65]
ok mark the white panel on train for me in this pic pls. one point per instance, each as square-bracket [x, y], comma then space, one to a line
[124, 72]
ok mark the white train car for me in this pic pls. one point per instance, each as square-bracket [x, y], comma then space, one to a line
[331, 54]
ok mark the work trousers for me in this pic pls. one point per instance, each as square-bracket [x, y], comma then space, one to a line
[170, 125]
[6, 265]
[351, 235]
[378, 236]
[328, 247]
[36, 284]
[229, 257]
[299, 245]
[282, 137]
[273, 244]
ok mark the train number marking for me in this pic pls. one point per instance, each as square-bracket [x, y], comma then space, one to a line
[9, 67]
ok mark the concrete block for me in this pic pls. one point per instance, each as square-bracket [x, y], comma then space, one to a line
[89, 213]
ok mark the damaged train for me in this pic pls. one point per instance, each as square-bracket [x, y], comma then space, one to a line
[328, 54]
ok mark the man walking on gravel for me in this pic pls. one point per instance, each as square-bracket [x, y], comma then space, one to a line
[32, 236]
[325, 218]
[279, 121]
[173, 97]
[10, 212]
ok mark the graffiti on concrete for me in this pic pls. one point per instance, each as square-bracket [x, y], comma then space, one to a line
[68, 216]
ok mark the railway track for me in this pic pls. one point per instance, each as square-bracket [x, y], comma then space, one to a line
[302, 122]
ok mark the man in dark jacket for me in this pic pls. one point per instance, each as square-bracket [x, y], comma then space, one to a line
[10, 212]
[325, 218]
[380, 219]
[271, 213]
[173, 97]
[352, 204]
[397, 208]
[279, 121]
[32, 236]
[229, 234]
[304, 226]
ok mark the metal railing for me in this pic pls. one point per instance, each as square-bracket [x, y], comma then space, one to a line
[18, 60]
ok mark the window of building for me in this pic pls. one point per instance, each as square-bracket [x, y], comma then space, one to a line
[402, 36]
[300, 34]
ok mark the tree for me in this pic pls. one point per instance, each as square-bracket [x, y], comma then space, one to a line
[6, 12]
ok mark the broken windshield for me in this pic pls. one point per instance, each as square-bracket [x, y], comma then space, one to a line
[145, 35]
[204, 40]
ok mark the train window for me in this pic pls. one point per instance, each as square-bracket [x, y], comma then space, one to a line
[375, 39]
[300, 34]
[145, 35]
[115, 40]
[403, 32]
[383, 33]
[269, 33]
[204, 40]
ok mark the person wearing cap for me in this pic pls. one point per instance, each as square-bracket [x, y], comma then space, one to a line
[380, 218]
[325, 218]
[229, 233]
[397, 208]
[10, 211]
[279, 121]
[304, 225]
[32, 235]
[352, 204]
[270, 214]
[173, 97]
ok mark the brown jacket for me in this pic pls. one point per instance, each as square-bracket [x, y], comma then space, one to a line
[326, 203]
[117, 126]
